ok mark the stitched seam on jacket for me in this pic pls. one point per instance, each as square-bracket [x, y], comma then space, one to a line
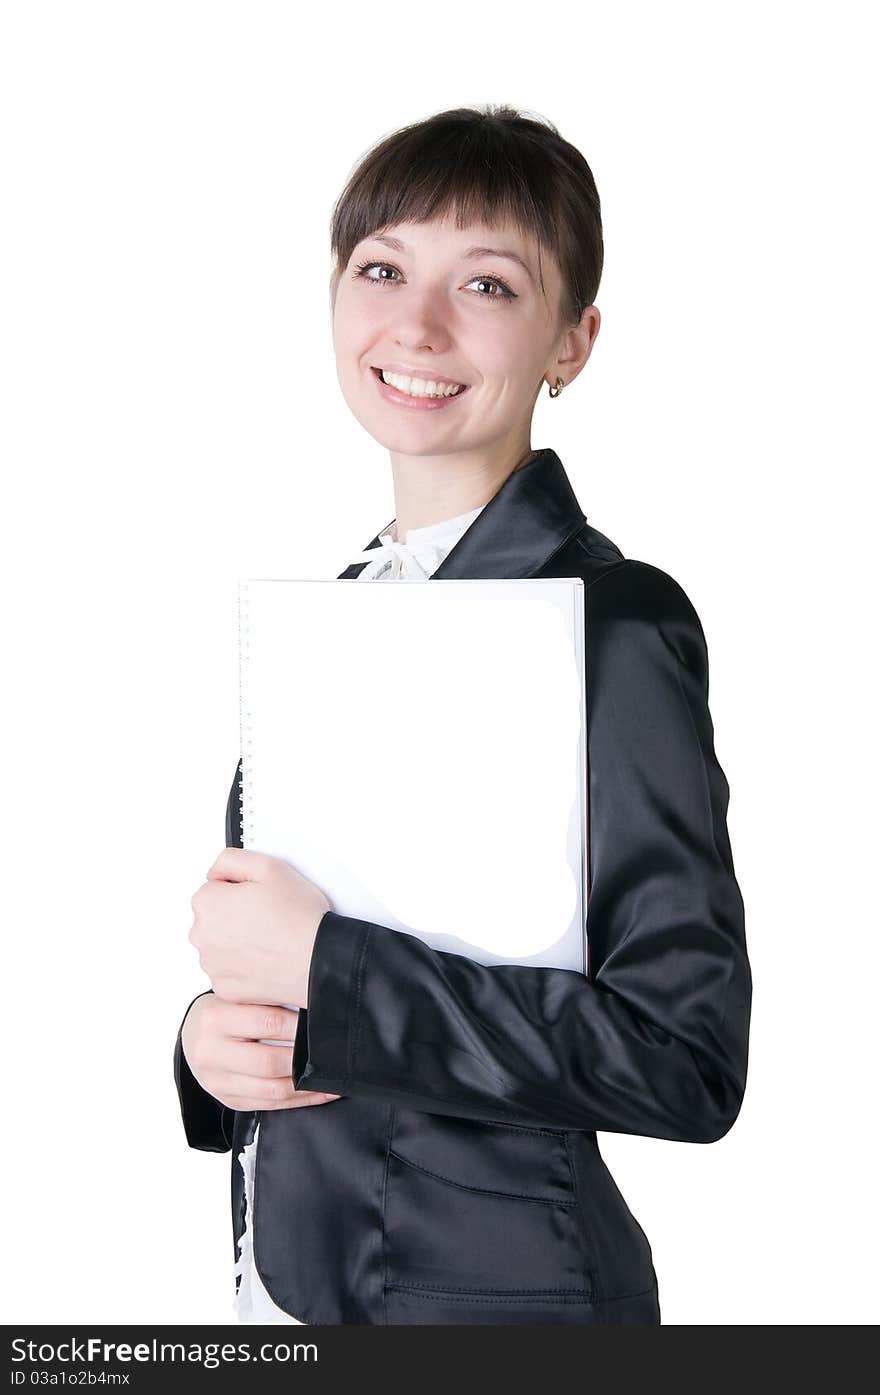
[582, 1211]
[555, 553]
[612, 571]
[420, 1094]
[499, 1295]
[591, 552]
[391, 1116]
[519, 1128]
[355, 1034]
[484, 1191]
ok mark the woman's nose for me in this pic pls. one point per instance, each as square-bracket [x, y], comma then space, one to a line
[423, 322]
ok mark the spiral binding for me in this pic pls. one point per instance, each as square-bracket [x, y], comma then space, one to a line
[246, 730]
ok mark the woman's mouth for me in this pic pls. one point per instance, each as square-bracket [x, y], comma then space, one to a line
[418, 393]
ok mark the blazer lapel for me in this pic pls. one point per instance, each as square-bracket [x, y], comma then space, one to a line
[532, 515]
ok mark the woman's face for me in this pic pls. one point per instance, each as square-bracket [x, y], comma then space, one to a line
[429, 301]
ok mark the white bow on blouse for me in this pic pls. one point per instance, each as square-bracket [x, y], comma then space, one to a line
[404, 561]
[419, 557]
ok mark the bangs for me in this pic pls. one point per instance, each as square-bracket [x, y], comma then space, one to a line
[472, 166]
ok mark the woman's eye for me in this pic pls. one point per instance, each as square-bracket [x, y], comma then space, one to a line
[364, 267]
[503, 293]
[502, 290]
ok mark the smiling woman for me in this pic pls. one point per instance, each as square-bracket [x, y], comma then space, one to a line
[428, 1138]
[467, 251]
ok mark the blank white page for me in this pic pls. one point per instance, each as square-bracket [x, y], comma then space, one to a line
[419, 752]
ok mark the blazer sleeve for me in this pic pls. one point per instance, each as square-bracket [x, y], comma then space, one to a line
[206, 1122]
[654, 1039]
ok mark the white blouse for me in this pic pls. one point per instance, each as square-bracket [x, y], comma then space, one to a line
[416, 559]
[421, 554]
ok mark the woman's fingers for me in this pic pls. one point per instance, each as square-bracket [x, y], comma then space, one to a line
[253, 1058]
[247, 1092]
[252, 1075]
[252, 1021]
[223, 1050]
[298, 1100]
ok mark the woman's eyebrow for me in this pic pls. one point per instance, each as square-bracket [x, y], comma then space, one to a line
[500, 252]
[471, 252]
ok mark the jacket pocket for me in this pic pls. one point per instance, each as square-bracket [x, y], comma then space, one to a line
[477, 1207]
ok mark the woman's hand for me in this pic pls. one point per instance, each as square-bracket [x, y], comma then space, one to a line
[244, 1074]
[256, 920]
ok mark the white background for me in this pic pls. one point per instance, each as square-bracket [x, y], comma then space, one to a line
[172, 421]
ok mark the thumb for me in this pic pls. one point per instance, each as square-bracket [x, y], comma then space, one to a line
[239, 865]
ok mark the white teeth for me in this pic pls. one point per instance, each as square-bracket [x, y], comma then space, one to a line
[418, 387]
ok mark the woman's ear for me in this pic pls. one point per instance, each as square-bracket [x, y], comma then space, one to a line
[577, 344]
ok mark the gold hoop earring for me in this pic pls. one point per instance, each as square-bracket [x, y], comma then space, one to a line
[555, 391]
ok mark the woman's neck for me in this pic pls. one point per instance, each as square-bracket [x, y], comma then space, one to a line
[430, 490]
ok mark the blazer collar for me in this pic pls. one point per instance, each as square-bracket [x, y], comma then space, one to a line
[530, 517]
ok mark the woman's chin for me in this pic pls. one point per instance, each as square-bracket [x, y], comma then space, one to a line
[407, 437]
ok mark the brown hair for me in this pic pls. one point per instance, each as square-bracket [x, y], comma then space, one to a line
[491, 165]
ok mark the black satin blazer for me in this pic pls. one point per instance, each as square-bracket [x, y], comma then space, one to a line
[459, 1180]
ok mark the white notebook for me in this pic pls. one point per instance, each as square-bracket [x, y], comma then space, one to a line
[418, 751]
